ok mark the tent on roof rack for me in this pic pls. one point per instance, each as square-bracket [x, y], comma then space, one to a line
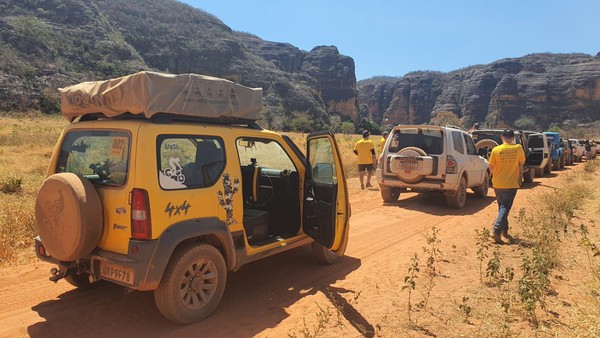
[150, 93]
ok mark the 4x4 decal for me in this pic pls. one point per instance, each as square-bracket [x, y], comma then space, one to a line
[177, 208]
[226, 196]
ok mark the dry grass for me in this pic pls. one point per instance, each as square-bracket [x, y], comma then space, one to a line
[26, 143]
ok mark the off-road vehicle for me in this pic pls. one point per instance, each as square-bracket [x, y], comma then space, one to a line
[536, 154]
[568, 151]
[578, 149]
[165, 183]
[431, 158]
[556, 151]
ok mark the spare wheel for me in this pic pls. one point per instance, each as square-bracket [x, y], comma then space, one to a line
[68, 216]
[487, 144]
[411, 164]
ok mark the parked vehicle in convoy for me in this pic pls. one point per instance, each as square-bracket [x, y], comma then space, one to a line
[568, 151]
[556, 152]
[173, 197]
[578, 149]
[536, 158]
[431, 158]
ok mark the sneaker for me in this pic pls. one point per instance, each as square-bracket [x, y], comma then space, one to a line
[362, 187]
[510, 238]
[497, 239]
[369, 185]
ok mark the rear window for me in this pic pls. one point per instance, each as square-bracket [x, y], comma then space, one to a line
[430, 141]
[536, 142]
[101, 156]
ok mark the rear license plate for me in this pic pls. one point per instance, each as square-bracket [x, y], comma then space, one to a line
[116, 272]
[408, 164]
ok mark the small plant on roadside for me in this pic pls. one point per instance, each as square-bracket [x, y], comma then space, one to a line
[410, 282]
[493, 266]
[483, 245]
[506, 299]
[433, 255]
[591, 250]
[534, 282]
[465, 309]
[323, 316]
[11, 185]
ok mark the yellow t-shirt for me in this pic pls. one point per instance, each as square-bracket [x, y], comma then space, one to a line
[505, 159]
[363, 148]
[381, 145]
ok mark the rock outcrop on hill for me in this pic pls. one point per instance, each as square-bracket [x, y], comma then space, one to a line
[46, 44]
[536, 90]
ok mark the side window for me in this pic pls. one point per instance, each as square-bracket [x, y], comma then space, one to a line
[265, 153]
[189, 161]
[471, 149]
[457, 141]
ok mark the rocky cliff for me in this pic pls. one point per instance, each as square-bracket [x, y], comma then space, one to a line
[46, 44]
[536, 90]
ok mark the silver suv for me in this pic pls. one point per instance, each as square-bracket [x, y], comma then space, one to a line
[432, 158]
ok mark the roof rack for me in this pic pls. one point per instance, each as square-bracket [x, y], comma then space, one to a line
[165, 118]
[453, 126]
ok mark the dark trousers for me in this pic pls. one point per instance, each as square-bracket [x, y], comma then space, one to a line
[505, 198]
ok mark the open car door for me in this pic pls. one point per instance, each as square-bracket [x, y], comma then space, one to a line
[326, 205]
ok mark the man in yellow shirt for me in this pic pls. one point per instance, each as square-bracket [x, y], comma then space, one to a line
[384, 136]
[365, 150]
[506, 164]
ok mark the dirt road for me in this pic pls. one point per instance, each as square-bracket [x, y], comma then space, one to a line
[280, 296]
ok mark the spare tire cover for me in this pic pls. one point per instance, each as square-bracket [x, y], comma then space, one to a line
[411, 176]
[68, 216]
[488, 144]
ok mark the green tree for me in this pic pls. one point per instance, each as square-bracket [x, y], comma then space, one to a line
[445, 118]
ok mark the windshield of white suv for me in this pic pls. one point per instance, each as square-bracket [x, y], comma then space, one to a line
[429, 140]
[101, 156]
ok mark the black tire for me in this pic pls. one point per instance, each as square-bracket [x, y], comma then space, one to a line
[68, 216]
[458, 200]
[529, 176]
[561, 162]
[482, 190]
[555, 165]
[548, 168]
[192, 285]
[326, 256]
[82, 281]
[389, 194]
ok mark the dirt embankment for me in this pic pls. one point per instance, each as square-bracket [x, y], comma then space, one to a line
[292, 295]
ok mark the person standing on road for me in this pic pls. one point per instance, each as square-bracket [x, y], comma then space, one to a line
[384, 137]
[365, 150]
[506, 164]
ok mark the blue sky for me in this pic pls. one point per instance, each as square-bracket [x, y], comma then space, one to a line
[395, 37]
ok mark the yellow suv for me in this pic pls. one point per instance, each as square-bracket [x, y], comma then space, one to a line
[170, 199]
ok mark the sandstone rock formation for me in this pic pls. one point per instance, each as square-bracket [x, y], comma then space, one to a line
[547, 88]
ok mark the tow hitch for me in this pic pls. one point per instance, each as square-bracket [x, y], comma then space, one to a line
[58, 274]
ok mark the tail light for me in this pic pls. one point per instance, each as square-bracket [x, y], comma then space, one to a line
[141, 227]
[450, 165]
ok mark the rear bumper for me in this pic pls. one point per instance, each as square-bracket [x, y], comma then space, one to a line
[427, 184]
[137, 263]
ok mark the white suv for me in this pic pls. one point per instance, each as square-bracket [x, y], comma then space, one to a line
[432, 158]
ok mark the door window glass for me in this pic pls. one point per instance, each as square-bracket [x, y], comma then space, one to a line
[471, 148]
[264, 153]
[322, 161]
[458, 143]
[189, 161]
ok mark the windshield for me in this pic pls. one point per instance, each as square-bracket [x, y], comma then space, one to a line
[101, 156]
